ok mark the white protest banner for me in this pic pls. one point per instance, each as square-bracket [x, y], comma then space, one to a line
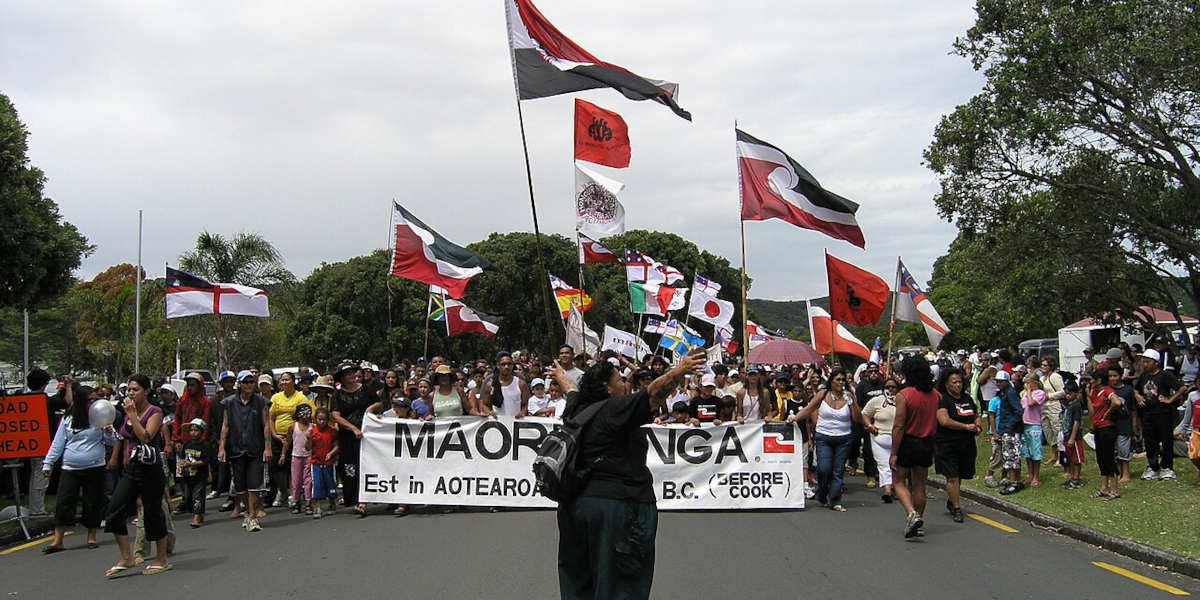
[623, 342]
[475, 461]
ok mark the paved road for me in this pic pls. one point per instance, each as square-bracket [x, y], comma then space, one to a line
[815, 552]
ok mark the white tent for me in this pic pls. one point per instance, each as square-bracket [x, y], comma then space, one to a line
[1088, 333]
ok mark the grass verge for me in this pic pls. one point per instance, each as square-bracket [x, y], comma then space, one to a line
[1158, 513]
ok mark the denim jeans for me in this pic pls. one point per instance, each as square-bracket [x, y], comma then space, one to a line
[832, 452]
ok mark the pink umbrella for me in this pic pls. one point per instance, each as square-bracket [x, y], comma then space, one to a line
[783, 352]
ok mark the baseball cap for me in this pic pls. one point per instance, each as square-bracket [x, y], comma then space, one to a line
[733, 372]
[1003, 376]
[1152, 355]
[196, 376]
[961, 352]
[198, 422]
[1113, 354]
[265, 378]
[707, 379]
[244, 373]
[226, 375]
[536, 382]
[402, 402]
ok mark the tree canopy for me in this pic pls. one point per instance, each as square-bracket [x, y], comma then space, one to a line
[40, 249]
[1080, 155]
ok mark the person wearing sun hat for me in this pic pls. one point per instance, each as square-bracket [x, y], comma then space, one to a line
[322, 393]
[350, 404]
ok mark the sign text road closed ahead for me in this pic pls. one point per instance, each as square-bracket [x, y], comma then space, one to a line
[24, 432]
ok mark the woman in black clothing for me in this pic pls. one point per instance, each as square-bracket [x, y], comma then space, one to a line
[954, 443]
[606, 532]
[143, 477]
[350, 403]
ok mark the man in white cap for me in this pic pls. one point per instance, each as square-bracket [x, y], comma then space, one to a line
[243, 443]
[1158, 393]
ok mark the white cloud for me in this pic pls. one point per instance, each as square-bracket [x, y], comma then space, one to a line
[302, 120]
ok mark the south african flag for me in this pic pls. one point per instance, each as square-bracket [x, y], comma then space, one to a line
[437, 308]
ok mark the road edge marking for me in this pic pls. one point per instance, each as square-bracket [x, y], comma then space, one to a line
[1158, 585]
[996, 524]
[31, 544]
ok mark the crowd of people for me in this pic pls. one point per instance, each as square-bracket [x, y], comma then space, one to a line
[292, 440]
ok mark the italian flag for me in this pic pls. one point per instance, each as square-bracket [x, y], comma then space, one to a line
[655, 299]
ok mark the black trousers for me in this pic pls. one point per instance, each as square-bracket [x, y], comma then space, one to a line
[860, 444]
[606, 548]
[138, 481]
[1158, 432]
[348, 447]
[193, 491]
[73, 486]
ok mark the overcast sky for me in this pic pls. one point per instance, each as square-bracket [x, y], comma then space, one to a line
[301, 121]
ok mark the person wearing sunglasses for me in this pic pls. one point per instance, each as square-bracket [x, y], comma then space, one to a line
[834, 410]
[878, 416]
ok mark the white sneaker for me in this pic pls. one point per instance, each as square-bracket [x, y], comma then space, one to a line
[1166, 474]
[1149, 475]
[254, 526]
[212, 495]
[246, 521]
[278, 501]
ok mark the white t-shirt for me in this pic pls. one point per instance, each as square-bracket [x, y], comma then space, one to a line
[1189, 370]
[539, 404]
[574, 374]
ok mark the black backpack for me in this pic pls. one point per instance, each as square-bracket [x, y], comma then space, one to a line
[558, 476]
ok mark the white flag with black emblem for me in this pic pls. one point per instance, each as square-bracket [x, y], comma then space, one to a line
[598, 213]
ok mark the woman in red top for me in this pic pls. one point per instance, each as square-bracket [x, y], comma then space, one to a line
[1102, 400]
[912, 440]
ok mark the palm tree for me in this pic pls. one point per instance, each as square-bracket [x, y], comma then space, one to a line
[246, 259]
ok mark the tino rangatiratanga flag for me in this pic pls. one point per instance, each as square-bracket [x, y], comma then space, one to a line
[776, 187]
[548, 63]
[422, 254]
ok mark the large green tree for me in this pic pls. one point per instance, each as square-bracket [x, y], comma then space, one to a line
[353, 309]
[246, 258]
[1087, 128]
[40, 249]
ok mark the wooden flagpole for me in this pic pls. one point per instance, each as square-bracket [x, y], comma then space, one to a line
[832, 321]
[582, 324]
[887, 360]
[537, 233]
[428, 313]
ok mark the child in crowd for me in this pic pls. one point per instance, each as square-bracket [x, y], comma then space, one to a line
[1073, 435]
[401, 407]
[997, 458]
[540, 404]
[725, 412]
[419, 407]
[192, 465]
[297, 442]
[1032, 401]
[681, 414]
[323, 448]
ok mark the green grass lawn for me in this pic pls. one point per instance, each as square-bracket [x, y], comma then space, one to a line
[1162, 514]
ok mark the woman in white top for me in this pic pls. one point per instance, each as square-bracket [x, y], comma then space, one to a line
[755, 401]
[877, 417]
[834, 409]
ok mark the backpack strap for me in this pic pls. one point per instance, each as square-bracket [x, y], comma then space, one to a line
[585, 415]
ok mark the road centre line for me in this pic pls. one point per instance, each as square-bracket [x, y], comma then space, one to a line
[1141, 579]
[996, 524]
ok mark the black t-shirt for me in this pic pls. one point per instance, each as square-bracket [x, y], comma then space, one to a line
[705, 409]
[1161, 384]
[196, 451]
[615, 446]
[353, 405]
[962, 410]
[1125, 423]
[865, 391]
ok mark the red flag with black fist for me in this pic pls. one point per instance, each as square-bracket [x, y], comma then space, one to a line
[601, 136]
[856, 297]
